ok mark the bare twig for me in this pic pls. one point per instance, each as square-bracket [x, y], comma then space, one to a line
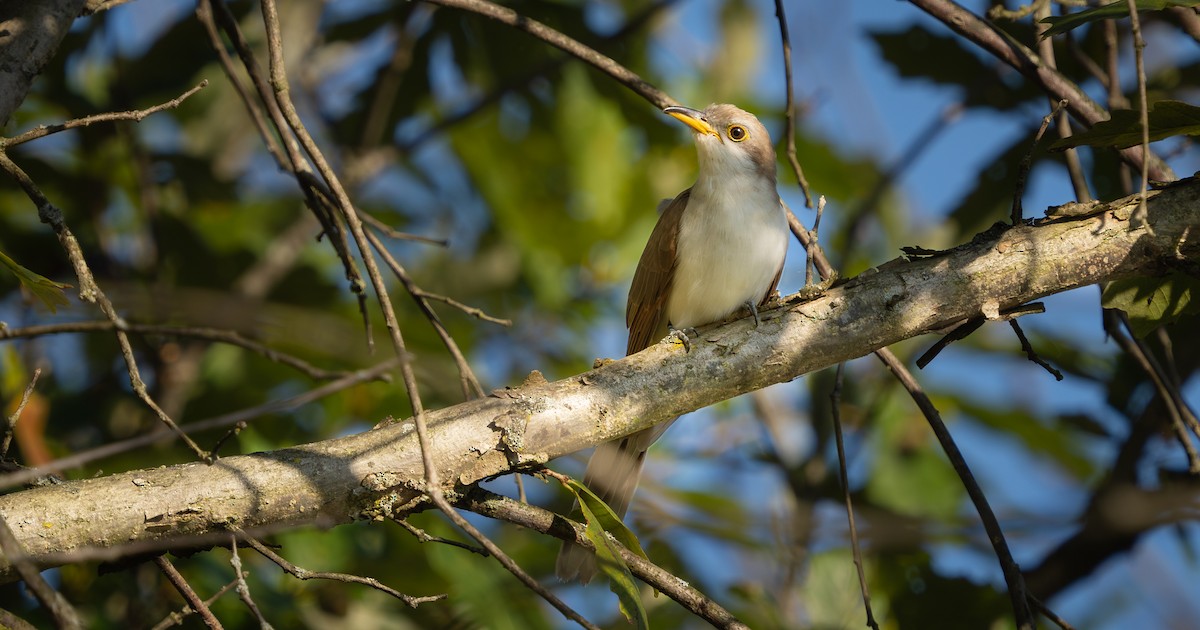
[391, 232]
[532, 517]
[16, 414]
[230, 337]
[41, 131]
[963, 330]
[1181, 416]
[204, 14]
[304, 574]
[1054, 83]
[243, 589]
[176, 618]
[470, 384]
[1027, 162]
[521, 81]
[279, 83]
[60, 609]
[1032, 354]
[835, 401]
[1012, 573]
[189, 595]
[1045, 611]
[601, 62]
[790, 129]
[1045, 47]
[1116, 97]
[89, 291]
[1139, 45]
[424, 536]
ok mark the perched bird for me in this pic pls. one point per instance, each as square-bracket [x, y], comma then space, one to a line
[717, 247]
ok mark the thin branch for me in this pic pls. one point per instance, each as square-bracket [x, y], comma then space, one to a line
[1054, 83]
[391, 232]
[1032, 354]
[1045, 46]
[963, 330]
[477, 313]
[1045, 611]
[835, 402]
[89, 291]
[189, 595]
[790, 128]
[230, 337]
[204, 14]
[243, 589]
[1116, 97]
[1171, 400]
[41, 131]
[601, 62]
[58, 606]
[279, 83]
[176, 618]
[537, 519]
[16, 415]
[1139, 45]
[470, 384]
[1027, 162]
[1012, 573]
[304, 574]
[425, 537]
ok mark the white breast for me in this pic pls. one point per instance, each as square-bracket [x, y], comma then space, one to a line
[732, 242]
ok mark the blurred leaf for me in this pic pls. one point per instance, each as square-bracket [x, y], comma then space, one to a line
[1053, 441]
[910, 51]
[1114, 10]
[910, 476]
[1153, 302]
[991, 198]
[601, 520]
[1124, 128]
[48, 291]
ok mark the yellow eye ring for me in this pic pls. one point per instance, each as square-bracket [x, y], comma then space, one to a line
[737, 133]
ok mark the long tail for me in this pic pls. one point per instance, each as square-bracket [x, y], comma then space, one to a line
[612, 473]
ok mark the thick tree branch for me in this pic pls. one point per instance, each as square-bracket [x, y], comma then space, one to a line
[379, 473]
[30, 31]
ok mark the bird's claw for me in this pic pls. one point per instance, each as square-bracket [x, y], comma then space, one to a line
[683, 336]
[753, 311]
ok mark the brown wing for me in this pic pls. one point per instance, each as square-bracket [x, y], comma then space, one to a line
[778, 274]
[646, 311]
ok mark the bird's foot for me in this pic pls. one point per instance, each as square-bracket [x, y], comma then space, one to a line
[814, 291]
[753, 311]
[682, 336]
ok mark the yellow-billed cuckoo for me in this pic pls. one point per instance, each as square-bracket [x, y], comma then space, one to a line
[717, 247]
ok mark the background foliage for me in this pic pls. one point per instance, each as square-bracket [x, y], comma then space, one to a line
[543, 175]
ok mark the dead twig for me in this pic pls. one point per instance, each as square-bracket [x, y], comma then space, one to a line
[16, 414]
[835, 401]
[41, 131]
[304, 574]
[189, 595]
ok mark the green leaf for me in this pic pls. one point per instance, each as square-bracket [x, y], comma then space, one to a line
[1124, 128]
[1153, 302]
[48, 291]
[600, 520]
[1113, 10]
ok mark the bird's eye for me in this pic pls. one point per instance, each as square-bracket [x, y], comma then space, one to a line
[737, 133]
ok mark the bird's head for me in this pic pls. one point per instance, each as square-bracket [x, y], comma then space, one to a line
[731, 142]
